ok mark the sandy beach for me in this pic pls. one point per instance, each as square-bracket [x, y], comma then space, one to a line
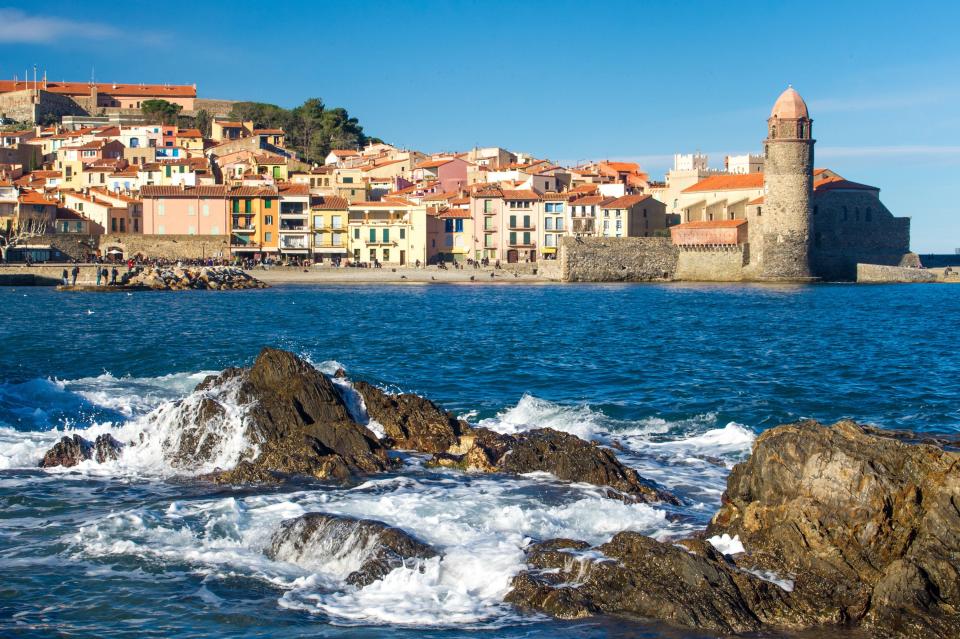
[388, 275]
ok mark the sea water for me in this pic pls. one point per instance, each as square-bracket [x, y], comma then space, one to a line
[679, 378]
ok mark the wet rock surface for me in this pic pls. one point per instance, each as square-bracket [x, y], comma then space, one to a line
[315, 539]
[293, 417]
[69, 451]
[841, 526]
[412, 422]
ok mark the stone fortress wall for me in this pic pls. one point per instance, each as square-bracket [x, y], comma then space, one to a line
[622, 259]
[171, 247]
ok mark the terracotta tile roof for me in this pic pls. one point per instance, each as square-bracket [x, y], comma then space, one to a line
[287, 188]
[625, 167]
[32, 197]
[15, 134]
[432, 164]
[455, 213]
[150, 191]
[117, 196]
[189, 133]
[838, 183]
[342, 153]
[328, 203]
[591, 200]
[268, 132]
[626, 201]
[437, 197]
[121, 90]
[382, 164]
[585, 188]
[64, 213]
[525, 194]
[710, 224]
[758, 200]
[727, 183]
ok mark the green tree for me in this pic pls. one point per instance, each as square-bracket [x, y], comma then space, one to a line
[202, 121]
[160, 111]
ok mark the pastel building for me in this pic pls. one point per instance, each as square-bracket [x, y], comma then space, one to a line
[328, 218]
[390, 232]
[185, 210]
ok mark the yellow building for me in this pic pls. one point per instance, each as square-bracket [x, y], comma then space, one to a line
[274, 166]
[350, 184]
[254, 220]
[328, 220]
[391, 232]
[190, 140]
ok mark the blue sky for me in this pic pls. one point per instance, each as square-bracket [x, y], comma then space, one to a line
[563, 80]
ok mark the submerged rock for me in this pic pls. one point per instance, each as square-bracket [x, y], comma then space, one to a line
[372, 549]
[292, 418]
[69, 451]
[841, 526]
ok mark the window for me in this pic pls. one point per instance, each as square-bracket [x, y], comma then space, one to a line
[488, 206]
[548, 224]
[869, 214]
[161, 229]
[513, 237]
[206, 210]
[268, 219]
[268, 204]
[448, 240]
[348, 180]
[336, 221]
[619, 224]
[160, 209]
[192, 230]
[844, 214]
[448, 226]
[248, 206]
[136, 227]
[816, 210]
[458, 226]
[356, 234]
[619, 212]
[373, 235]
[386, 255]
[113, 224]
[526, 238]
[403, 233]
[268, 237]
[386, 235]
[513, 221]
[337, 238]
[318, 221]
[559, 223]
[644, 212]
[373, 255]
[167, 170]
[526, 221]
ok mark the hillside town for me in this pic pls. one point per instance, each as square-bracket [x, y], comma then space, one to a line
[80, 187]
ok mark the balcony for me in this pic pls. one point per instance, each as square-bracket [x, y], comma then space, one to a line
[243, 228]
[524, 245]
[286, 227]
[521, 227]
[295, 243]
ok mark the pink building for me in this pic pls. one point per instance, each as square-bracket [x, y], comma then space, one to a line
[185, 210]
[450, 173]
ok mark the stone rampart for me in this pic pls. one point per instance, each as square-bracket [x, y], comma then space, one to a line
[213, 107]
[171, 247]
[880, 274]
[617, 259]
[711, 264]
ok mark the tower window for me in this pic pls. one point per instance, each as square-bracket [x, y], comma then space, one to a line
[869, 214]
[759, 211]
[844, 214]
[816, 210]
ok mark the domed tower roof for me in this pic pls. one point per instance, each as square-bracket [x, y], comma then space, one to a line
[789, 106]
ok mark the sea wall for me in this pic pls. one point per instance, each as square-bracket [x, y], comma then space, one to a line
[879, 274]
[22, 275]
[617, 259]
[711, 264]
[171, 247]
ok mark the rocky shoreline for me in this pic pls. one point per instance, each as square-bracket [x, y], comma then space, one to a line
[175, 278]
[840, 526]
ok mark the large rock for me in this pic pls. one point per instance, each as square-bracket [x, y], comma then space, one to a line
[869, 524]
[70, 451]
[372, 548]
[563, 455]
[293, 419]
[412, 422]
[842, 526]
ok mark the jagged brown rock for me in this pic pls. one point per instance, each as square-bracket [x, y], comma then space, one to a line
[293, 415]
[317, 538]
[864, 525]
[106, 448]
[69, 451]
[410, 421]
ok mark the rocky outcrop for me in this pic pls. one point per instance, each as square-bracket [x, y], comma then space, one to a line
[563, 455]
[841, 526]
[214, 278]
[293, 418]
[70, 451]
[869, 525]
[373, 547]
[412, 422]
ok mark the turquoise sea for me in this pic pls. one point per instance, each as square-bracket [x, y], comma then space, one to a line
[682, 377]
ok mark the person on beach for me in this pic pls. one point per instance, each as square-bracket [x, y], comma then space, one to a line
[75, 272]
[65, 277]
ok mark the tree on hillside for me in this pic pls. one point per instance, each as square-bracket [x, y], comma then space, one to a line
[312, 129]
[160, 111]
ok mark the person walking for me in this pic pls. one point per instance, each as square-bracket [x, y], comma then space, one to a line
[99, 276]
[75, 272]
[64, 276]
[113, 275]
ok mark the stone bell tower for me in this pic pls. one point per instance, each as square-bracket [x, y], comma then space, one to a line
[788, 184]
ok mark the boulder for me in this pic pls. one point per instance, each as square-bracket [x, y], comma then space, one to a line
[69, 451]
[870, 524]
[842, 526]
[292, 416]
[372, 548]
[412, 422]
[563, 455]
[106, 448]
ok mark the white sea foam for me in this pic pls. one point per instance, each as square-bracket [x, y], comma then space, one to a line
[727, 545]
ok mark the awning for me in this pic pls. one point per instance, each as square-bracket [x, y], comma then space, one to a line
[331, 251]
[294, 250]
[549, 249]
[114, 251]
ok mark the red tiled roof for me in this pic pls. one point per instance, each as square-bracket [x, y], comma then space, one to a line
[328, 203]
[626, 201]
[83, 88]
[455, 213]
[291, 189]
[727, 183]
[525, 194]
[189, 133]
[838, 183]
[432, 164]
[151, 191]
[268, 131]
[32, 197]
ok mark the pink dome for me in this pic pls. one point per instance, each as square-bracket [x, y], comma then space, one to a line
[789, 106]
